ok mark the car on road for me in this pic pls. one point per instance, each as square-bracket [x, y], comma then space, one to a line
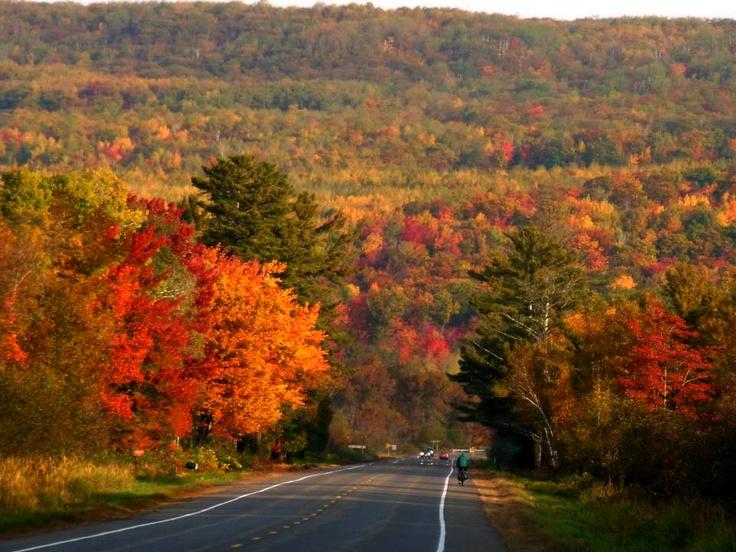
[444, 456]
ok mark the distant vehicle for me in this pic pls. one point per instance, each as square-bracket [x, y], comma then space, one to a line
[426, 452]
[445, 456]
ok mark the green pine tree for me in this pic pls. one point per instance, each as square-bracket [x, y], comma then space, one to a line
[526, 292]
[251, 209]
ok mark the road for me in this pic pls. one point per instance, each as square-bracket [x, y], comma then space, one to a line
[398, 505]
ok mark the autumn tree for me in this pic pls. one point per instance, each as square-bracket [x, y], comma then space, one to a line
[249, 208]
[124, 327]
[641, 405]
[150, 301]
[54, 230]
[664, 371]
[264, 352]
[592, 417]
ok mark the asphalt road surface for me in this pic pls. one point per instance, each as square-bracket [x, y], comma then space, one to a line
[402, 505]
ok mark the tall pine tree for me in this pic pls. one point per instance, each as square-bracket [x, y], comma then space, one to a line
[504, 368]
[251, 209]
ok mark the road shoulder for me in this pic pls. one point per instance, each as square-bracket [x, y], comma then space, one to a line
[508, 508]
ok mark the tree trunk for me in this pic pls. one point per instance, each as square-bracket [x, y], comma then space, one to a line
[537, 454]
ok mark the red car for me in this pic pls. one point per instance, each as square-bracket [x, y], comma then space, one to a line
[445, 456]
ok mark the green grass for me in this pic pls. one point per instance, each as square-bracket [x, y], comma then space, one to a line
[594, 518]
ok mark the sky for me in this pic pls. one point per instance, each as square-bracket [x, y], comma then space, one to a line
[558, 9]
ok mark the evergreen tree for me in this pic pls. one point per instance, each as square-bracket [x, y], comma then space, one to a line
[251, 209]
[527, 292]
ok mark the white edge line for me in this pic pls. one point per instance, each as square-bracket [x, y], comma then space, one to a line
[443, 530]
[159, 522]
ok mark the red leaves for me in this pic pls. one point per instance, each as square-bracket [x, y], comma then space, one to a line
[424, 341]
[418, 232]
[193, 332]
[11, 350]
[148, 379]
[663, 370]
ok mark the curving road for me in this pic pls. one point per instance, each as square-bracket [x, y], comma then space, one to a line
[401, 505]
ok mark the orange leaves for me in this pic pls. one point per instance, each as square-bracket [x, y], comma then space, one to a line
[623, 282]
[12, 350]
[264, 348]
[116, 150]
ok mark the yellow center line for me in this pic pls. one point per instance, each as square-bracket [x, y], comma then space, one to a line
[312, 515]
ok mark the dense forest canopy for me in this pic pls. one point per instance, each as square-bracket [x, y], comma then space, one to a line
[543, 210]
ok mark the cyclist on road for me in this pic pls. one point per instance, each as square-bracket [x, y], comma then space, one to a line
[462, 464]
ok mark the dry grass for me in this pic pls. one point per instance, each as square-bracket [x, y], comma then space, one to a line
[45, 484]
[43, 493]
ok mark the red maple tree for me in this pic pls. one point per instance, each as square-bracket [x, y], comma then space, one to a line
[151, 379]
[664, 370]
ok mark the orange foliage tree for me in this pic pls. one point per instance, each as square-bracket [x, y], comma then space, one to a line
[263, 351]
[53, 231]
[112, 313]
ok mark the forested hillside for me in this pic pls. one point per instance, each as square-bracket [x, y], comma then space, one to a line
[543, 210]
[351, 100]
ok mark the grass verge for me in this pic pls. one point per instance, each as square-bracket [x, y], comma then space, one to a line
[579, 516]
[40, 494]
[44, 493]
